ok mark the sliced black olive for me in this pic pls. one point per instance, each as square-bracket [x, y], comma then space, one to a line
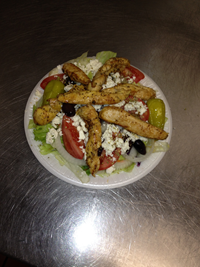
[100, 151]
[68, 81]
[140, 147]
[130, 146]
[69, 109]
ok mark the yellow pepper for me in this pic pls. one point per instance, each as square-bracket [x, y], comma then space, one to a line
[52, 90]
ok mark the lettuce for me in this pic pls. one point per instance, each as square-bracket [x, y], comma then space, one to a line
[105, 55]
[160, 146]
[40, 132]
[46, 148]
[31, 124]
[83, 59]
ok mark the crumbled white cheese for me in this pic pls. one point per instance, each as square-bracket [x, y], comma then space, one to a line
[137, 106]
[60, 131]
[68, 87]
[51, 136]
[133, 137]
[77, 106]
[57, 120]
[112, 80]
[113, 138]
[82, 130]
[110, 170]
[109, 83]
[97, 107]
[131, 80]
[110, 139]
[91, 67]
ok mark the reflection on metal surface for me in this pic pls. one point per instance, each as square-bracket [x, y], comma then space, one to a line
[86, 235]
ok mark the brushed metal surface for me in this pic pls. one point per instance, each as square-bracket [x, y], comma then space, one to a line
[153, 222]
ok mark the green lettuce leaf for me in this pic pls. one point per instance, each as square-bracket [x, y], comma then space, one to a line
[160, 146]
[105, 55]
[41, 131]
[83, 59]
[46, 148]
[31, 124]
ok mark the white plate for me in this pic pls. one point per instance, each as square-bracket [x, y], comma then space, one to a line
[113, 181]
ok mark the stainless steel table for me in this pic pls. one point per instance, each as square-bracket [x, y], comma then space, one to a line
[152, 222]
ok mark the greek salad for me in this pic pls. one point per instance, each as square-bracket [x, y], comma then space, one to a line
[67, 134]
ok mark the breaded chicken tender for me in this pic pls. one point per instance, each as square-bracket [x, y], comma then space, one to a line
[138, 91]
[94, 98]
[75, 73]
[129, 122]
[44, 115]
[92, 122]
[55, 104]
[111, 65]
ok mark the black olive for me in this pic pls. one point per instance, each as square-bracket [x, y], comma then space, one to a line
[100, 151]
[69, 109]
[140, 147]
[68, 81]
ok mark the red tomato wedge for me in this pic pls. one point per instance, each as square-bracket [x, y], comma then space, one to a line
[50, 78]
[107, 161]
[71, 138]
[133, 72]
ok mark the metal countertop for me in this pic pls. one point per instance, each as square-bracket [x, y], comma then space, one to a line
[153, 222]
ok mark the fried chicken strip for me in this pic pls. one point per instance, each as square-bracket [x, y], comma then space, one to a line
[90, 116]
[75, 73]
[44, 115]
[94, 98]
[55, 104]
[129, 122]
[111, 65]
[138, 91]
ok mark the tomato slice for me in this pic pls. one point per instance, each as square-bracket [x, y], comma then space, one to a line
[50, 78]
[133, 73]
[71, 138]
[107, 161]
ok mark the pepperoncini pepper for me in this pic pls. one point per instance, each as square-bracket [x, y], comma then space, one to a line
[52, 90]
[156, 112]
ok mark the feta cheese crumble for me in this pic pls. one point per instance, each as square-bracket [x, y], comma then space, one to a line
[68, 87]
[79, 123]
[110, 170]
[57, 120]
[112, 80]
[113, 138]
[137, 106]
[51, 136]
[91, 67]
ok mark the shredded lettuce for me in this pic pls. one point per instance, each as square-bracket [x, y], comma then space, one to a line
[40, 132]
[121, 158]
[46, 148]
[126, 169]
[90, 75]
[31, 124]
[77, 170]
[83, 59]
[86, 169]
[105, 55]
[160, 146]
